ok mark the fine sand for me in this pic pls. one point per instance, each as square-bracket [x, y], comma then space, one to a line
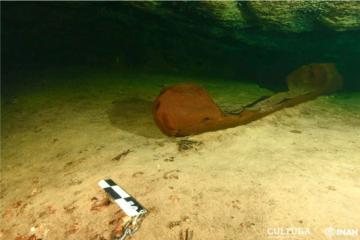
[299, 167]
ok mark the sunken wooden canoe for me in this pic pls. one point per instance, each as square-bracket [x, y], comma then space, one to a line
[187, 109]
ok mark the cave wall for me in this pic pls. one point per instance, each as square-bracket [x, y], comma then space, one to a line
[259, 41]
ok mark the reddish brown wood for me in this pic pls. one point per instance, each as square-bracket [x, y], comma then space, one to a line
[187, 109]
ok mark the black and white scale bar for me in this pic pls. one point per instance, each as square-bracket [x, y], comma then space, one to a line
[126, 202]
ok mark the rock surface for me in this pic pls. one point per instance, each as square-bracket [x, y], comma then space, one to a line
[302, 16]
[285, 16]
[245, 40]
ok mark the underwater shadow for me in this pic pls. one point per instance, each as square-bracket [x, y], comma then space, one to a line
[134, 115]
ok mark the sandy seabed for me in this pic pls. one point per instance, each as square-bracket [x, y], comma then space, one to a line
[299, 167]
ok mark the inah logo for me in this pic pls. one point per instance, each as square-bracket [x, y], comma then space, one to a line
[351, 232]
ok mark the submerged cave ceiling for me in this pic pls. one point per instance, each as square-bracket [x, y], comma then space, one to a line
[254, 40]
